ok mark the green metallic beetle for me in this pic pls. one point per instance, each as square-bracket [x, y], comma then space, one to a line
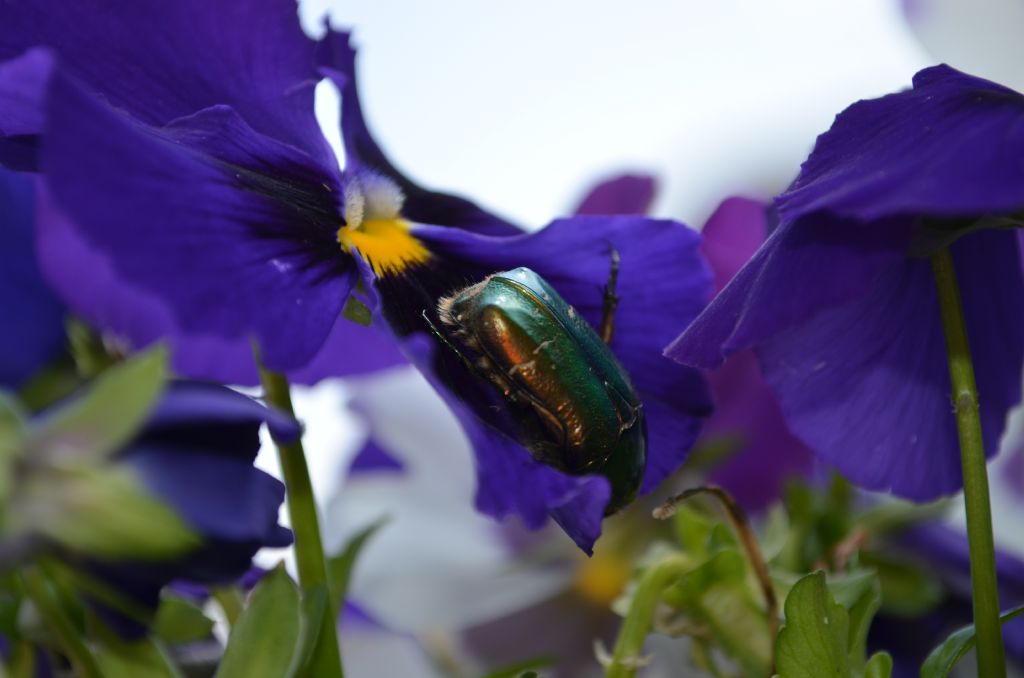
[575, 406]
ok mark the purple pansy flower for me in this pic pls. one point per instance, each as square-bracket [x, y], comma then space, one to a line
[34, 331]
[190, 195]
[839, 303]
[196, 455]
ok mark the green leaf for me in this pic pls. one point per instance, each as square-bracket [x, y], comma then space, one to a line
[12, 440]
[849, 587]
[138, 659]
[89, 352]
[85, 585]
[357, 312]
[313, 608]
[103, 512]
[180, 621]
[339, 567]
[12, 422]
[944, 657]
[692, 529]
[862, 612]
[50, 385]
[263, 641]
[879, 666]
[725, 567]
[96, 425]
[908, 589]
[739, 626]
[521, 669]
[813, 643]
[846, 588]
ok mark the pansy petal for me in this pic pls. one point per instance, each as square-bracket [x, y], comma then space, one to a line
[163, 60]
[261, 258]
[866, 385]
[34, 330]
[374, 458]
[670, 436]
[22, 89]
[947, 553]
[351, 350]
[219, 496]
[801, 268]
[746, 416]
[732, 235]
[337, 59]
[625, 194]
[216, 417]
[663, 282]
[195, 455]
[510, 481]
[129, 315]
[948, 147]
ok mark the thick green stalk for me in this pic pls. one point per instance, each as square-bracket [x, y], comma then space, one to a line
[78, 653]
[990, 653]
[638, 621]
[309, 550]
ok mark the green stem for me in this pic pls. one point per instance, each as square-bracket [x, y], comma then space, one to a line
[640, 617]
[309, 550]
[990, 654]
[38, 591]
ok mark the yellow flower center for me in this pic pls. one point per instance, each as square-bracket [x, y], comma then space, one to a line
[385, 244]
[374, 227]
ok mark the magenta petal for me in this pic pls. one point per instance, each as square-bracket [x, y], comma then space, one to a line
[232, 253]
[625, 194]
[747, 415]
[732, 235]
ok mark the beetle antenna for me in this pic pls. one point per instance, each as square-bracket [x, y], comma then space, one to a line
[611, 300]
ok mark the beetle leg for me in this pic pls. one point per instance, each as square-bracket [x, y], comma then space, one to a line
[611, 300]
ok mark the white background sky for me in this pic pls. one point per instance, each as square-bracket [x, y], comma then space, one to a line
[521, 105]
